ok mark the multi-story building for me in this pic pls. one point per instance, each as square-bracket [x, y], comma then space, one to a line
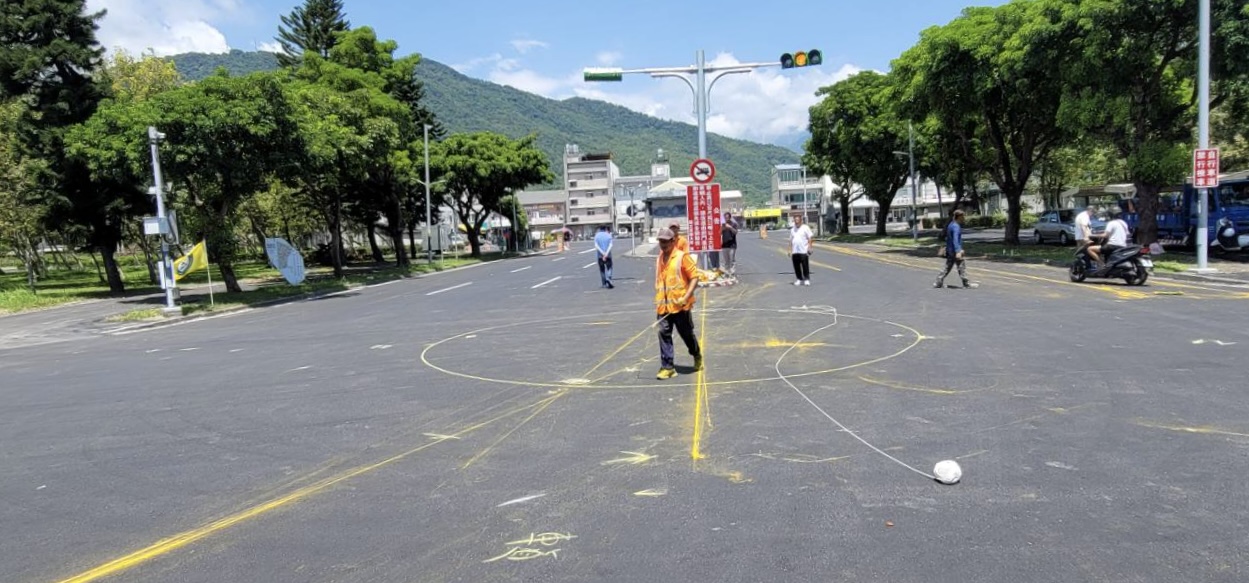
[589, 180]
[633, 191]
[796, 191]
[545, 209]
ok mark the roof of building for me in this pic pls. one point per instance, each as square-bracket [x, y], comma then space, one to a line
[787, 166]
[542, 197]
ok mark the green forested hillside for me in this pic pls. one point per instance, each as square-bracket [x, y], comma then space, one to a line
[195, 66]
[466, 104]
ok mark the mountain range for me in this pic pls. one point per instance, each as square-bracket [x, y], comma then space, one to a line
[465, 104]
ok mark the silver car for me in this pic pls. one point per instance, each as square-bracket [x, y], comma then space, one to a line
[1060, 226]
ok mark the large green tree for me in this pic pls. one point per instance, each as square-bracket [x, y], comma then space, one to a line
[310, 28]
[1131, 82]
[480, 169]
[224, 138]
[48, 54]
[1000, 67]
[867, 133]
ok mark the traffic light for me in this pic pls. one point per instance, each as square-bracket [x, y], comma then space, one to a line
[603, 75]
[809, 58]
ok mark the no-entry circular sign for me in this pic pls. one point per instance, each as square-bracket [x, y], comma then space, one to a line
[702, 171]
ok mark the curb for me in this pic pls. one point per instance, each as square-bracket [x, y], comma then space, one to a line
[177, 320]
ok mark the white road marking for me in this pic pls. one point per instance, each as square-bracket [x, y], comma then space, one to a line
[521, 269]
[552, 280]
[589, 265]
[379, 347]
[522, 499]
[449, 288]
[558, 259]
[590, 250]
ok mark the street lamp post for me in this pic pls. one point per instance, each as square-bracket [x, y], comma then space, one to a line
[166, 269]
[429, 249]
[910, 154]
[1203, 131]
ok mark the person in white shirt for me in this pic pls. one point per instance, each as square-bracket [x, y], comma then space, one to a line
[800, 237]
[1116, 236]
[1084, 229]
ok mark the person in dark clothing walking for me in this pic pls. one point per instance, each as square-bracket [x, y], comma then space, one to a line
[954, 251]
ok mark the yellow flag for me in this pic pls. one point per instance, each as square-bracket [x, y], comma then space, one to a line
[194, 261]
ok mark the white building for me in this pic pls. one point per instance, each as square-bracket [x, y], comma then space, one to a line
[589, 180]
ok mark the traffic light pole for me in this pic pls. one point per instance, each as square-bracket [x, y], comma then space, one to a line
[699, 86]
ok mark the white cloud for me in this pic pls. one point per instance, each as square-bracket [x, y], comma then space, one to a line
[608, 58]
[766, 105]
[269, 47]
[164, 26]
[523, 45]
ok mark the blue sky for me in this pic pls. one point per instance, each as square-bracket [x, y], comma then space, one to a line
[542, 50]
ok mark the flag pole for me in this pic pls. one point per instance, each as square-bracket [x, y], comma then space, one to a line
[208, 269]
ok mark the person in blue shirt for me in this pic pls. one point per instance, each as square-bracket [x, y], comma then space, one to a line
[954, 251]
[602, 250]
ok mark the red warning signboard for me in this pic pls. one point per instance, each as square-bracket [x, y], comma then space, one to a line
[702, 208]
[1206, 168]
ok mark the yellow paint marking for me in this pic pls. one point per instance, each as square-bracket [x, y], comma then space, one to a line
[632, 458]
[183, 539]
[783, 251]
[439, 436]
[652, 492]
[513, 430]
[800, 458]
[777, 343]
[906, 388]
[546, 539]
[524, 554]
[700, 388]
[425, 359]
[1202, 430]
[618, 349]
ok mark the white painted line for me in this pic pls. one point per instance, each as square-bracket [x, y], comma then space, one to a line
[590, 250]
[589, 265]
[521, 269]
[449, 288]
[558, 259]
[553, 279]
[522, 499]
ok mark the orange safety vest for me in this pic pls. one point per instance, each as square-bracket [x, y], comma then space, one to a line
[670, 283]
[683, 244]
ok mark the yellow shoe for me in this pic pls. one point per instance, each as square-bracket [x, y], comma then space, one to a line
[666, 373]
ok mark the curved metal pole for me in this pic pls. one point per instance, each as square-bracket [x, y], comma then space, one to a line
[693, 91]
[717, 78]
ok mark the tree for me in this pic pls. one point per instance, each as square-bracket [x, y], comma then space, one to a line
[824, 154]
[139, 79]
[20, 213]
[311, 28]
[480, 169]
[867, 133]
[224, 138]
[1131, 84]
[48, 54]
[1001, 68]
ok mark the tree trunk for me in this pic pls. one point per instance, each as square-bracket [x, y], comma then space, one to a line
[336, 236]
[395, 228]
[227, 274]
[371, 229]
[412, 237]
[883, 216]
[844, 228]
[1147, 213]
[1014, 215]
[115, 285]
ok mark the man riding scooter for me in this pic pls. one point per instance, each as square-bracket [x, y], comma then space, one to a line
[1115, 235]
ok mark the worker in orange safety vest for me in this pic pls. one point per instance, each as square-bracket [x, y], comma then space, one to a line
[676, 280]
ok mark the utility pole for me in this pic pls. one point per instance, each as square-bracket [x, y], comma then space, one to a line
[1203, 132]
[910, 129]
[166, 268]
[429, 249]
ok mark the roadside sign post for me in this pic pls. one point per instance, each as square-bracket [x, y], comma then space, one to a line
[1205, 177]
[702, 209]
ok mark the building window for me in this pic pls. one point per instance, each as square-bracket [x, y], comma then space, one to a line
[590, 212]
[572, 202]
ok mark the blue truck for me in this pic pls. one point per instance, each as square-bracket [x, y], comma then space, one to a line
[1177, 217]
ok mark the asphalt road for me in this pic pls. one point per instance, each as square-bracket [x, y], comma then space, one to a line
[502, 423]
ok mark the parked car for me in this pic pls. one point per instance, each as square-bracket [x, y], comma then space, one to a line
[1060, 226]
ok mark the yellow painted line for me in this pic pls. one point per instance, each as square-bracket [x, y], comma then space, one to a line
[509, 433]
[617, 350]
[786, 253]
[175, 542]
[915, 340]
[1202, 430]
[700, 387]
